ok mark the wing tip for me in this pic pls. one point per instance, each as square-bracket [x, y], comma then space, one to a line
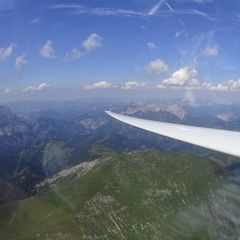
[108, 112]
[114, 115]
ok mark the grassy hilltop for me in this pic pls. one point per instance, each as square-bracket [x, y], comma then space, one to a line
[144, 195]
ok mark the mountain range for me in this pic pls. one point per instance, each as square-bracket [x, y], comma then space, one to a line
[39, 144]
[69, 173]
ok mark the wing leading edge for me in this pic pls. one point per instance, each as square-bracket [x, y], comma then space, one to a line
[216, 139]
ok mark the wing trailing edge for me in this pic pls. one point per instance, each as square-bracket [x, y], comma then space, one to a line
[224, 141]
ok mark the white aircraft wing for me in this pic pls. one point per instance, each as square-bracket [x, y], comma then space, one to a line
[216, 139]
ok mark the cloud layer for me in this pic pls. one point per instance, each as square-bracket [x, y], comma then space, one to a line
[132, 85]
[98, 85]
[107, 85]
[184, 78]
[38, 88]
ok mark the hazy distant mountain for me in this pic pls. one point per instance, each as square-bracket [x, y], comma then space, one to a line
[12, 131]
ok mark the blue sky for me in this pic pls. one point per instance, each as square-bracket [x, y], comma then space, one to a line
[51, 48]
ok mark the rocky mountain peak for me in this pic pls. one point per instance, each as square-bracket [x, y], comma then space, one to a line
[174, 109]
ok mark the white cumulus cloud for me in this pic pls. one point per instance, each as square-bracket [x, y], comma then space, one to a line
[98, 85]
[20, 62]
[47, 50]
[38, 88]
[6, 52]
[184, 77]
[156, 67]
[92, 42]
[188, 78]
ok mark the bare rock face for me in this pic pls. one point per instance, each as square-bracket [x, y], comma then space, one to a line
[174, 109]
